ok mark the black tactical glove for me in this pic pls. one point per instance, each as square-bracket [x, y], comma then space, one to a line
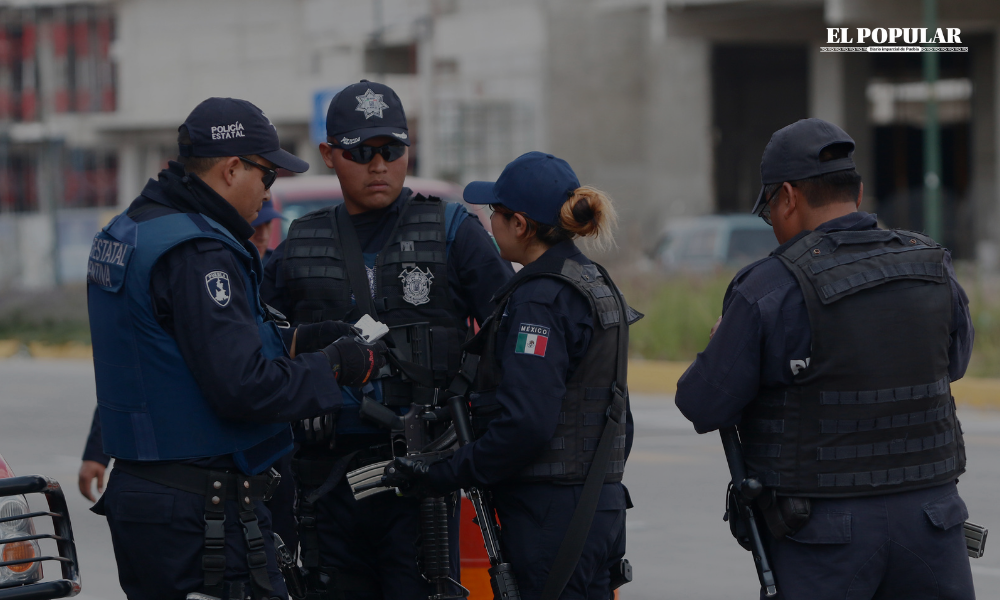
[409, 475]
[313, 337]
[353, 361]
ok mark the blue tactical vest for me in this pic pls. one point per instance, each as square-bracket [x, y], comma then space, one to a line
[151, 407]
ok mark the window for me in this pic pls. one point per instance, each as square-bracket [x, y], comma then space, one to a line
[391, 60]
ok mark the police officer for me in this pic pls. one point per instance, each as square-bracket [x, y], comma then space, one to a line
[423, 268]
[834, 357]
[195, 388]
[262, 229]
[552, 381]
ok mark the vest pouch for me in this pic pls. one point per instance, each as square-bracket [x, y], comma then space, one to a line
[413, 380]
[784, 515]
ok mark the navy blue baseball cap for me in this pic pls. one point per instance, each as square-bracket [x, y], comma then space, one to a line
[266, 213]
[232, 127]
[536, 184]
[793, 154]
[365, 110]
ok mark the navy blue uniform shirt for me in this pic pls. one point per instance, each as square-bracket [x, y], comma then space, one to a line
[222, 348]
[532, 387]
[765, 326]
[475, 269]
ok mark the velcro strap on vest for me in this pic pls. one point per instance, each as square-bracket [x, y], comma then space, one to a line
[418, 236]
[764, 425]
[597, 393]
[925, 269]
[904, 446]
[888, 476]
[762, 450]
[845, 259]
[295, 233]
[416, 256]
[886, 422]
[590, 444]
[915, 392]
[304, 272]
[544, 470]
[600, 291]
[313, 252]
[610, 317]
[424, 218]
[614, 466]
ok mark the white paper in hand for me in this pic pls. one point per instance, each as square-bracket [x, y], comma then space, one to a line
[371, 330]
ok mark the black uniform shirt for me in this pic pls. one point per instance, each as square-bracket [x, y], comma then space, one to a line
[765, 326]
[532, 387]
[221, 345]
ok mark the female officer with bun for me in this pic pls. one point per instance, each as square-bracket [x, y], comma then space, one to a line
[552, 383]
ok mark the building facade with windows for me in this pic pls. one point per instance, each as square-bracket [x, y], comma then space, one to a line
[666, 104]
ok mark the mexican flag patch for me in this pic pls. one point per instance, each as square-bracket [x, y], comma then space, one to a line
[532, 339]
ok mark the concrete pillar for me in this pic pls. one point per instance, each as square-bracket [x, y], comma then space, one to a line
[678, 133]
[978, 213]
[130, 179]
[855, 106]
[826, 85]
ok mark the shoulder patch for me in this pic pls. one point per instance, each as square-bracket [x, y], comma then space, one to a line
[219, 289]
[532, 339]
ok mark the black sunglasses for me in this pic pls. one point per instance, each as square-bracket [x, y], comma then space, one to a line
[269, 174]
[364, 154]
[765, 213]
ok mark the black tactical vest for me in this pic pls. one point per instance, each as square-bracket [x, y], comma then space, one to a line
[412, 295]
[872, 413]
[590, 392]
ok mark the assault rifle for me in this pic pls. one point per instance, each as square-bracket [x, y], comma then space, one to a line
[501, 574]
[409, 436]
[739, 509]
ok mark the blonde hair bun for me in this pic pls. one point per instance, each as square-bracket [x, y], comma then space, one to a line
[589, 213]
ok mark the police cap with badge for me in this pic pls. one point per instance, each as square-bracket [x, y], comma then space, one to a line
[365, 110]
[233, 127]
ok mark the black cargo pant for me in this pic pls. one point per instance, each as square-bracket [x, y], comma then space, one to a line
[377, 538]
[906, 545]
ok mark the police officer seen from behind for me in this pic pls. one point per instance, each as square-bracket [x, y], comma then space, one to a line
[424, 268]
[194, 386]
[552, 378]
[834, 358]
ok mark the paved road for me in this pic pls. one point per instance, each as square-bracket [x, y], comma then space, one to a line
[676, 538]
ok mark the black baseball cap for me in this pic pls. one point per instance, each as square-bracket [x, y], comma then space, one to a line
[266, 214]
[233, 127]
[365, 110]
[535, 183]
[793, 154]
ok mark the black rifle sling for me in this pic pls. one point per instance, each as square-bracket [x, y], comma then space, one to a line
[583, 517]
[357, 275]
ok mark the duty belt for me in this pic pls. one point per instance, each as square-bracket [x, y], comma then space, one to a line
[193, 479]
[218, 487]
